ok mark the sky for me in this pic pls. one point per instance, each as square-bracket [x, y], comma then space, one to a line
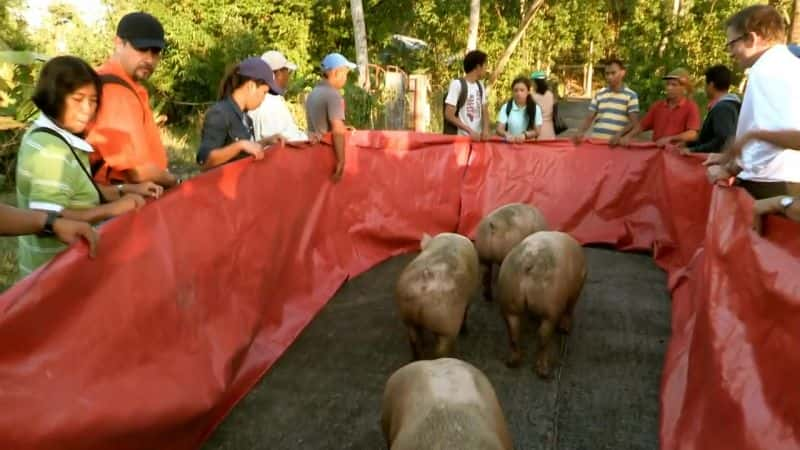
[35, 11]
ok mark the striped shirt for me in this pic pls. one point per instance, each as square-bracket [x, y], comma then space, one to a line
[612, 109]
[50, 179]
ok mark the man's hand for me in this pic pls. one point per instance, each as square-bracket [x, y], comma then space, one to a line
[663, 142]
[314, 138]
[69, 231]
[715, 159]
[253, 148]
[146, 189]
[625, 141]
[614, 141]
[338, 171]
[485, 135]
[474, 135]
[717, 173]
[578, 138]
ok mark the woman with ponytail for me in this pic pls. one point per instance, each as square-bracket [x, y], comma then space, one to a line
[227, 129]
[520, 118]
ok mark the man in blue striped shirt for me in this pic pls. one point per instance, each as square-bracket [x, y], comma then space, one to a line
[614, 110]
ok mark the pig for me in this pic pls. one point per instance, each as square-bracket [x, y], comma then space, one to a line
[434, 290]
[499, 232]
[442, 404]
[542, 276]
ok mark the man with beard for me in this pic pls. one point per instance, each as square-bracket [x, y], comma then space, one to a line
[125, 136]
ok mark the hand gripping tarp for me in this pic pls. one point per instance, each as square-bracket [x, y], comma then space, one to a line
[194, 297]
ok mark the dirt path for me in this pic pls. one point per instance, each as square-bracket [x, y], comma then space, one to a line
[325, 392]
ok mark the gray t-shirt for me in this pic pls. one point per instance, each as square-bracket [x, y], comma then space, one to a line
[323, 104]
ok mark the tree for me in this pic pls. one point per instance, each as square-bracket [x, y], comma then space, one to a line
[474, 22]
[360, 35]
[527, 19]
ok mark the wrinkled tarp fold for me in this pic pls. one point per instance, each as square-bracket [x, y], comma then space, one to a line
[193, 298]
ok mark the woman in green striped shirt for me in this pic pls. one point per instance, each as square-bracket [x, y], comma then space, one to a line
[53, 160]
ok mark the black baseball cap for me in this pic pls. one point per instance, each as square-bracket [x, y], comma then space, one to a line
[142, 30]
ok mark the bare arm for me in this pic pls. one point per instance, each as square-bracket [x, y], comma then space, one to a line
[485, 122]
[151, 173]
[220, 156]
[338, 130]
[17, 222]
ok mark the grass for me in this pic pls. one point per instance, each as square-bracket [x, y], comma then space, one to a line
[181, 144]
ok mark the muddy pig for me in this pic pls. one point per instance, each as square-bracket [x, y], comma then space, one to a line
[543, 275]
[433, 292]
[442, 404]
[499, 232]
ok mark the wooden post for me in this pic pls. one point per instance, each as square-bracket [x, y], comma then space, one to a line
[588, 89]
[420, 108]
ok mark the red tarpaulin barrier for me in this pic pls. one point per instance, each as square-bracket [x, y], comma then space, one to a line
[194, 297]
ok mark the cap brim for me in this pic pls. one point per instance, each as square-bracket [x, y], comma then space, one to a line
[147, 43]
[291, 66]
[671, 77]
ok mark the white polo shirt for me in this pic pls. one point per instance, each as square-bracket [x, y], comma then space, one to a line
[273, 117]
[771, 102]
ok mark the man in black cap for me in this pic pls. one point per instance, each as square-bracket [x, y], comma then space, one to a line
[125, 137]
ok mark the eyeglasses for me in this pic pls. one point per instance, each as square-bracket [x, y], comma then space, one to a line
[730, 43]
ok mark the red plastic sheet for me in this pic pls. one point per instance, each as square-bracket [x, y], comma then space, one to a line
[194, 297]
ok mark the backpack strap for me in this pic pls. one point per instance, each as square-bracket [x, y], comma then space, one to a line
[110, 78]
[509, 105]
[72, 149]
[462, 95]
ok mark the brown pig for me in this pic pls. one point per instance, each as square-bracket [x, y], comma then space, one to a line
[543, 275]
[499, 232]
[442, 404]
[433, 292]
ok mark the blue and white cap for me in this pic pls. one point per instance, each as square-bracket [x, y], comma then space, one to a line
[334, 61]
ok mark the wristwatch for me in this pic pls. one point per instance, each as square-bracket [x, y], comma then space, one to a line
[786, 202]
[47, 229]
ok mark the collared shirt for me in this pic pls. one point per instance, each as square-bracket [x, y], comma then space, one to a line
[668, 120]
[613, 109]
[124, 133]
[224, 124]
[517, 120]
[771, 102]
[49, 178]
[273, 117]
[323, 105]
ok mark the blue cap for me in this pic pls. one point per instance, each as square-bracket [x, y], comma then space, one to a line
[795, 49]
[257, 69]
[334, 61]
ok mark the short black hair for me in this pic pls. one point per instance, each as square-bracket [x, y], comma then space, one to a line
[60, 77]
[474, 59]
[541, 86]
[720, 76]
[616, 61]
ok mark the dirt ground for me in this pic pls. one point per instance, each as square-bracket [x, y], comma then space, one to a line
[325, 392]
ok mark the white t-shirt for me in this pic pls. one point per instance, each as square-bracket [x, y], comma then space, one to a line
[472, 110]
[771, 102]
[273, 117]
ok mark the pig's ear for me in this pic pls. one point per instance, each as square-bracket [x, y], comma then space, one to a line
[426, 238]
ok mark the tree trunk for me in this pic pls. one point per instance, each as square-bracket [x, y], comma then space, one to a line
[360, 34]
[794, 30]
[526, 21]
[474, 21]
